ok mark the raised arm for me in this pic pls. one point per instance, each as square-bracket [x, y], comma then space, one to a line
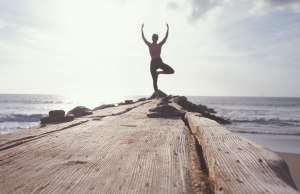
[166, 37]
[143, 36]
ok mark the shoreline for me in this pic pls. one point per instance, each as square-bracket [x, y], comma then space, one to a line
[276, 143]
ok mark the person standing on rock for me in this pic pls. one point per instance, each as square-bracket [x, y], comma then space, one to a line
[156, 61]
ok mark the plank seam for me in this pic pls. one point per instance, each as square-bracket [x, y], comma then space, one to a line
[199, 151]
[21, 141]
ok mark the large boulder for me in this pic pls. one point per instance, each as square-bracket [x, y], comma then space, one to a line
[57, 113]
[80, 111]
[54, 119]
[57, 116]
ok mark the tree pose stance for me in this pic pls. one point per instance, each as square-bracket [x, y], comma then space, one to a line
[156, 61]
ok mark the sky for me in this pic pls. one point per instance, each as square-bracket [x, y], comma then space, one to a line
[94, 47]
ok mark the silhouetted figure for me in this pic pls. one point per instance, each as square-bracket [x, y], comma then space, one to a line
[156, 61]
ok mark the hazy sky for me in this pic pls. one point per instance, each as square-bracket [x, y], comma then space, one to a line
[217, 47]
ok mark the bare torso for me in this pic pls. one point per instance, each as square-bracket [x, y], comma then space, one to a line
[155, 50]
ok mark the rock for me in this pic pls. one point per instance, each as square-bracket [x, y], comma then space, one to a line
[167, 98]
[57, 116]
[128, 101]
[164, 109]
[57, 113]
[80, 111]
[203, 110]
[141, 99]
[103, 106]
[179, 99]
[51, 119]
[211, 110]
[160, 94]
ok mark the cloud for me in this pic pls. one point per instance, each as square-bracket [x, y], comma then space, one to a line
[277, 5]
[202, 9]
[197, 8]
[172, 5]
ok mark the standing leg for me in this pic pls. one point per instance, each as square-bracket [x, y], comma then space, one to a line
[154, 77]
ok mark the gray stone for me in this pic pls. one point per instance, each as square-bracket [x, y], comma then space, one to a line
[57, 113]
[48, 119]
[128, 101]
[80, 111]
[142, 99]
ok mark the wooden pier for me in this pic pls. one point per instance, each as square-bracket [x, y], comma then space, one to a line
[121, 150]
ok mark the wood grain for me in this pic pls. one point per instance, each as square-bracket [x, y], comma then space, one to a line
[237, 165]
[121, 150]
[124, 153]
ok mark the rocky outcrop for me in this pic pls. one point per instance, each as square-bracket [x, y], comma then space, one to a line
[203, 110]
[161, 94]
[165, 100]
[80, 111]
[164, 111]
[57, 116]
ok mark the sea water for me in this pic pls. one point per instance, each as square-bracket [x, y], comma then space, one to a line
[270, 121]
[258, 115]
[23, 111]
[271, 117]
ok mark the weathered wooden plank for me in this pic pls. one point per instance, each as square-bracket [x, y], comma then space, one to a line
[112, 111]
[36, 132]
[127, 153]
[237, 165]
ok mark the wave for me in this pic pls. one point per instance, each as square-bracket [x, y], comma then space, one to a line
[266, 132]
[32, 102]
[21, 117]
[264, 121]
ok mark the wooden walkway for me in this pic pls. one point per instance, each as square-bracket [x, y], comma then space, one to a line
[126, 153]
[238, 165]
[121, 150]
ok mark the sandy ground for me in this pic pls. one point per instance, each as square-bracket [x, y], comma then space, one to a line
[276, 143]
[293, 161]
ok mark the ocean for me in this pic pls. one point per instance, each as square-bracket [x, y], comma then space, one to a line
[23, 111]
[273, 122]
[250, 116]
[257, 115]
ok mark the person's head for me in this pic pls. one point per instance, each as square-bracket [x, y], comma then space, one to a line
[154, 37]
